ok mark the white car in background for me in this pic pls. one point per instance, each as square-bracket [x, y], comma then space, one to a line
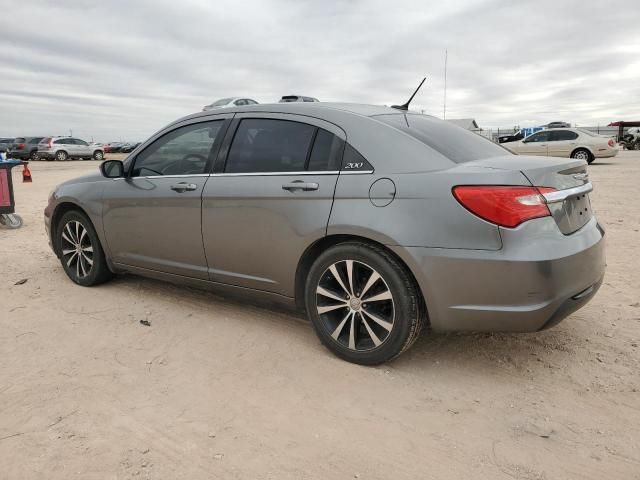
[565, 142]
[229, 102]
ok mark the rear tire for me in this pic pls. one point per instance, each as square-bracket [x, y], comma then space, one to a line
[34, 156]
[80, 252]
[370, 316]
[61, 155]
[583, 154]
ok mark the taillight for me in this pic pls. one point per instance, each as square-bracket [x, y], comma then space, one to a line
[50, 143]
[610, 142]
[20, 145]
[503, 205]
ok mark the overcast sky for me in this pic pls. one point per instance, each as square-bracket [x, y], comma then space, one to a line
[112, 69]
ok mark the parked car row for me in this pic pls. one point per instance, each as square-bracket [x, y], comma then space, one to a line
[242, 101]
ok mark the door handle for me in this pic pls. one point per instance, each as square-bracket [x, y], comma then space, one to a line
[183, 186]
[300, 185]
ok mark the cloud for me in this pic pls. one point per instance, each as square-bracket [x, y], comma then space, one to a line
[119, 69]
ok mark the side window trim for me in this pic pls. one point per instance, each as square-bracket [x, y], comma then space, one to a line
[212, 156]
[223, 152]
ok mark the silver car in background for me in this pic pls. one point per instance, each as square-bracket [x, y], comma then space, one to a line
[65, 148]
[229, 102]
[565, 142]
[374, 221]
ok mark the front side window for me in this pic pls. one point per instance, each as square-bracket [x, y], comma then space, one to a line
[77, 141]
[560, 135]
[183, 151]
[537, 137]
[269, 145]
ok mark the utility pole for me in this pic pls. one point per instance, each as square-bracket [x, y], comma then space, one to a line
[444, 110]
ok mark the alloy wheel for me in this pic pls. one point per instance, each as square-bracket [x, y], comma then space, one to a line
[77, 251]
[355, 305]
[581, 155]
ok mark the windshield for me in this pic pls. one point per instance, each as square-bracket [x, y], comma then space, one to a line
[457, 144]
[221, 102]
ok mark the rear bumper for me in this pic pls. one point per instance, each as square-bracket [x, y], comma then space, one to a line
[539, 277]
[606, 153]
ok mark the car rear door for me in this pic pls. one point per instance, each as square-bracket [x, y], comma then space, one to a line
[269, 198]
[535, 144]
[561, 143]
[152, 218]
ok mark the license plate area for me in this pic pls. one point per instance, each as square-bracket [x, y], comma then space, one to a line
[573, 213]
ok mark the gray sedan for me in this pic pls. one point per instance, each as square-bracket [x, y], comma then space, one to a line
[378, 223]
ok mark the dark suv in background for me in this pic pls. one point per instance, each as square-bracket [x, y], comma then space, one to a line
[25, 148]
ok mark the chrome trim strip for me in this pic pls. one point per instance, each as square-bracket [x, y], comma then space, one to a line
[257, 174]
[355, 172]
[269, 174]
[562, 195]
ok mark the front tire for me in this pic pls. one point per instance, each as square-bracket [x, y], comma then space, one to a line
[80, 251]
[34, 156]
[98, 155]
[364, 305]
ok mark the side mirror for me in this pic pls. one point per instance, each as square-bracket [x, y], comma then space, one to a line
[112, 169]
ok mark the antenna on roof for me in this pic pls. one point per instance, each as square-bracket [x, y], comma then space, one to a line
[406, 105]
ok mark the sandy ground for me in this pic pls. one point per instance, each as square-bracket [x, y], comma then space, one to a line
[218, 389]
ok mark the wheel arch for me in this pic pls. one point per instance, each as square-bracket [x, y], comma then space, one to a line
[58, 212]
[582, 147]
[321, 245]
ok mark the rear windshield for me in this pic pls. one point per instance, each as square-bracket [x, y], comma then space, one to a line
[19, 140]
[455, 143]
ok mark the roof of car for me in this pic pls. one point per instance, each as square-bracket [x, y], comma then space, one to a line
[309, 108]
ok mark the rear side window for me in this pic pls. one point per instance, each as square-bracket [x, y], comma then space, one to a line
[559, 135]
[61, 141]
[326, 153]
[455, 143]
[269, 145]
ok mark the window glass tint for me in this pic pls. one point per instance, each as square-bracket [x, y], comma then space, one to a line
[267, 145]
[77, 141]
[455, 143]
[184, 151]
[19, 140]
[61, 141]
[35, 140]
[251, 102]
[326, 153]
[354, 161]
[240, 102]
[538, 137]
[559, 135]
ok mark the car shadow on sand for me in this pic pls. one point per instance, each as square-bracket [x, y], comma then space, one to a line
[476, 352]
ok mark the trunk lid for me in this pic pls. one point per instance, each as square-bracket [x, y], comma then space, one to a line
[563, 174]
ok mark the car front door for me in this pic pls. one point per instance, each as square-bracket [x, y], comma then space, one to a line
[269, 199]
[82, 149]
[152, 218]
[561, 143]
[535, 144]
